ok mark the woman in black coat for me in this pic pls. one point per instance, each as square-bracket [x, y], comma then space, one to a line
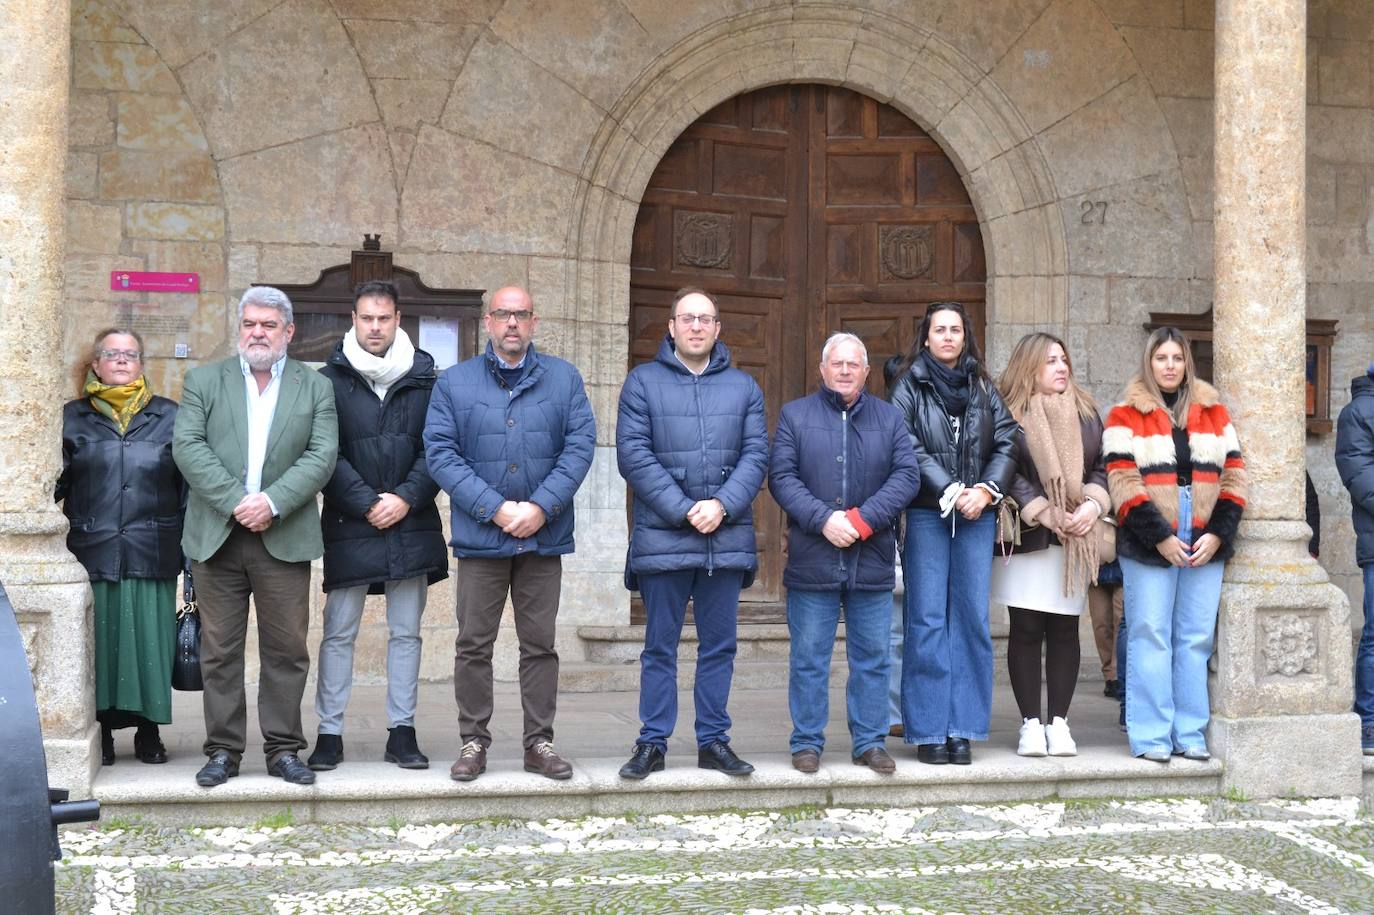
[123, 498]
[964, 437]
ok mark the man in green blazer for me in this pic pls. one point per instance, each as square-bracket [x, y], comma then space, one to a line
[256, 439]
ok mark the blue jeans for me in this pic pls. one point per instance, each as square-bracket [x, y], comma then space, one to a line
[947, 655]
[1172, 621]
[715, 607]
[1364, 658]
[811, 621]
[896, 636]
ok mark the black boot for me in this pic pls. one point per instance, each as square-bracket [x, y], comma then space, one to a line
[107, 756]
[402, 749]
[148, 744]
[328, 753]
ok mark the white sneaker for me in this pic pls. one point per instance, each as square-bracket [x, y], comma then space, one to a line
[1059, 740]
[1032, 738]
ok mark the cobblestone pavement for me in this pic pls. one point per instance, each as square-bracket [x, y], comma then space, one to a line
[1194, 856]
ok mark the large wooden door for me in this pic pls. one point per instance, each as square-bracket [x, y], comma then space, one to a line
[805, 210]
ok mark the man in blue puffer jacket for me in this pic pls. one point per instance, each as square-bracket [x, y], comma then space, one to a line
[509, 437]
[843, 470]
[692, 443]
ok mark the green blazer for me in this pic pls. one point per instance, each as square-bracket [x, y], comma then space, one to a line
[210, 446]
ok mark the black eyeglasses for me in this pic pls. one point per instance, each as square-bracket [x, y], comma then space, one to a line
[505, 314]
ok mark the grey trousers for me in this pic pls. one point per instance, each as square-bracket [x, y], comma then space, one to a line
[343, 613]
[534, 583]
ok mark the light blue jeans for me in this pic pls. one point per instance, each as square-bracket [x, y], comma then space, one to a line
[1172, 615]
[343, 612]
[812, 618]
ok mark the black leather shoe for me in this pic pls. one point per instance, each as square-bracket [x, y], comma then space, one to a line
[934, 754]
[289, 768]
[218, 770]
[107, 756]
[720, 757]
[148, 745]
[402, 749]
[960, 753]
[646, 758]
[328, 752]
[1112, 689]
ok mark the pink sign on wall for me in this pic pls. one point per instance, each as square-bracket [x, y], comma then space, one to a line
[146, 281]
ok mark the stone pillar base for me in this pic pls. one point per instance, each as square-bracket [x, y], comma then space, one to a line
[72, 763]
[1278, 755]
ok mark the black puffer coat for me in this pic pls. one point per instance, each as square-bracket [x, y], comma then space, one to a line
[381, 450]
[987, 438]
[123, 495]
[1355, 463]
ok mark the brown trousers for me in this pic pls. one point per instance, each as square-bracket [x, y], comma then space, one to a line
[281, 598]
[1105, 605]
[534, 584]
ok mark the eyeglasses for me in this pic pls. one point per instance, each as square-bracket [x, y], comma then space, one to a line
[687, 320]
[502, 315]
[131, 355]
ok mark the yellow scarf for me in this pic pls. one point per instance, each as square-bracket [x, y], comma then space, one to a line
[120, 402]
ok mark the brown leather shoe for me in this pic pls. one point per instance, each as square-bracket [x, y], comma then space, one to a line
[876, 758]
[471, 762]
[541, 758]
[807, 761]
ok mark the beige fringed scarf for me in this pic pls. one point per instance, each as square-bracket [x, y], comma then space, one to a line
[1055, 437]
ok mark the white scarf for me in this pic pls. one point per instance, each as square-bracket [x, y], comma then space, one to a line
[380, 371]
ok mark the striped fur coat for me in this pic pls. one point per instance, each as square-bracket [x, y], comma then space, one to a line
[1142, 474]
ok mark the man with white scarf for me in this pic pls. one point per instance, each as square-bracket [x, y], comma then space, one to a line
[381, 528]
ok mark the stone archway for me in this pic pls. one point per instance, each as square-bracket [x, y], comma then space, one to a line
[937, 86]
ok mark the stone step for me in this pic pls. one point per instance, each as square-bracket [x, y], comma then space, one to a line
[376, 793]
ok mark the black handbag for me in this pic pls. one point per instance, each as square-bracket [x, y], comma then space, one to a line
[186, 664]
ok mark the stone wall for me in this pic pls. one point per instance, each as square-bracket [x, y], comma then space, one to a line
[494, 142]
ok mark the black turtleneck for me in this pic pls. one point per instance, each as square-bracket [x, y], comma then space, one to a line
[1183, 455]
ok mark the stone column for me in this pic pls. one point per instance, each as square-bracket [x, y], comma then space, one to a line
[45, 583]
[1281, 696]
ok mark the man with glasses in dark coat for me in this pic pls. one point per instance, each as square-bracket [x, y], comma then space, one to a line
[692, 444]
[382, 533]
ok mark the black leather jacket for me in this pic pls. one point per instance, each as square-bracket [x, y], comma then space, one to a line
[985, 451]
[122, 495]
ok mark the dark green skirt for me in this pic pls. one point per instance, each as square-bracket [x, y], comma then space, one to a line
[135, 641]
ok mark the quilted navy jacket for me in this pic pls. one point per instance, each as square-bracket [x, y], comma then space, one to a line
[682, 438]
[486, 443]
[829, 458]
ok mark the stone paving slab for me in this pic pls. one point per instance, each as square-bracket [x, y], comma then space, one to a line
[1160, 855]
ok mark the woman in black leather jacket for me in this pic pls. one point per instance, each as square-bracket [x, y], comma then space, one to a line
[964, 438]
[123, 498]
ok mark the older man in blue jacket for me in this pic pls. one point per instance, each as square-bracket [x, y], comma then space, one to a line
[509, 436]
[1355, 463]
[693, 445]
[843, 469]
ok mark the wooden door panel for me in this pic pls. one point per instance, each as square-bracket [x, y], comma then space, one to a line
[805, 210]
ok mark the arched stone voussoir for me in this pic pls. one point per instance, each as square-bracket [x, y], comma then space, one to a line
[292, 194]
[262, 69]
[464, 195]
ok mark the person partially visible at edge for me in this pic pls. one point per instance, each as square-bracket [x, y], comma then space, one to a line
[1043, 577]
[382, 533]
[1177, 480]
[843, 470]
[509, 436]
[256, 439]
[124, 499]
[692, 444]
[965, 439]
[1355, 464]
